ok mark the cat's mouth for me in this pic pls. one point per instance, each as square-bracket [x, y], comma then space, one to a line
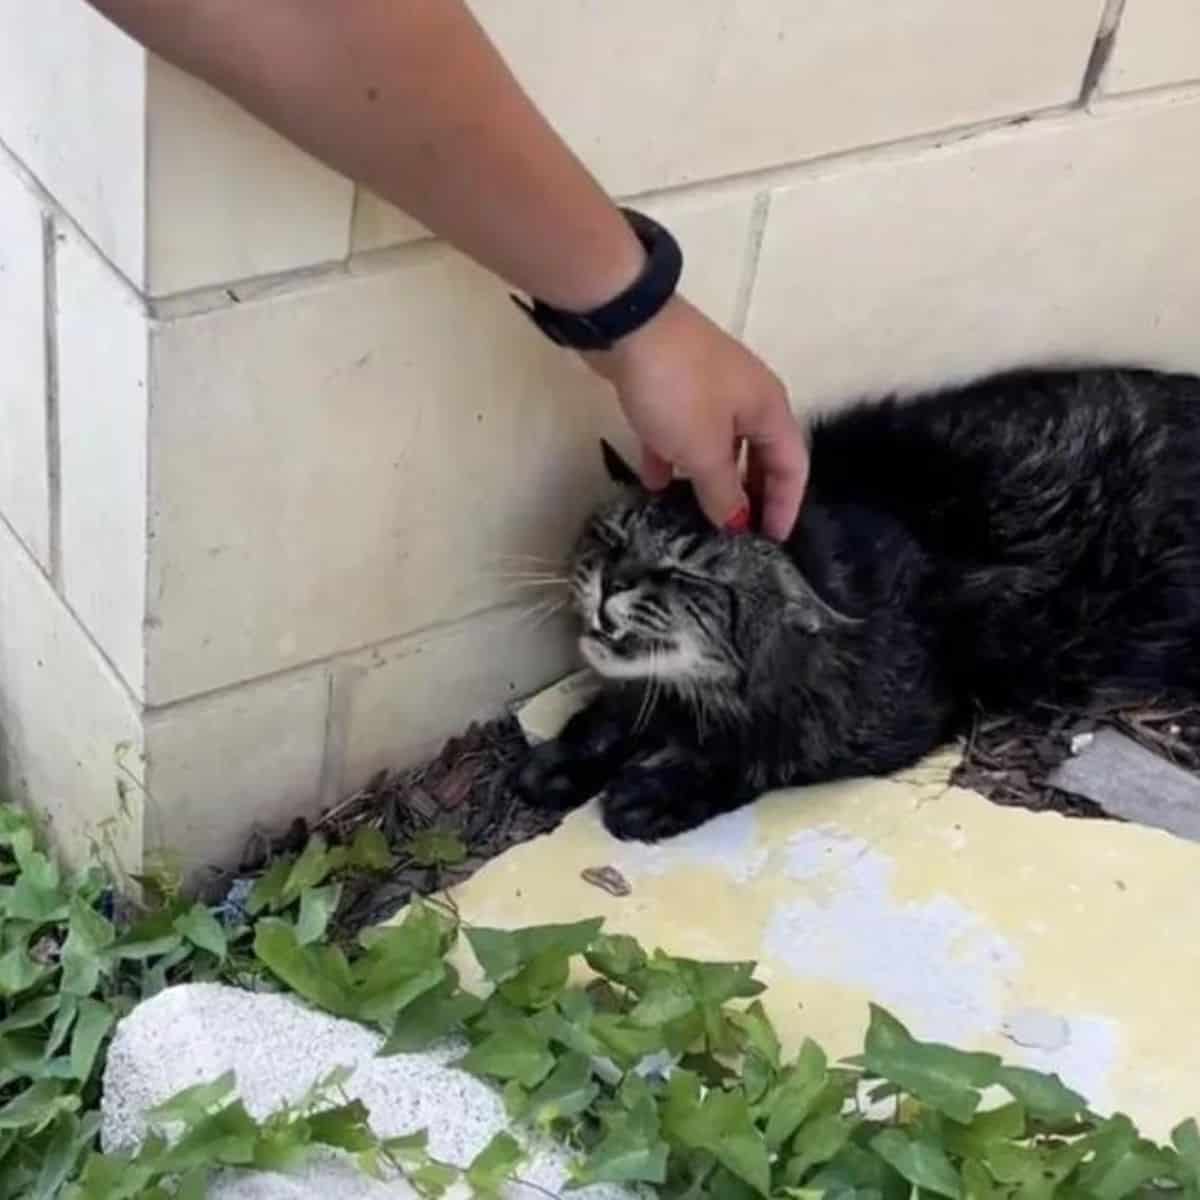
[623, 655]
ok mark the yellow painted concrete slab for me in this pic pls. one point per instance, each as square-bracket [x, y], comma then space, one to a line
[1065, 945]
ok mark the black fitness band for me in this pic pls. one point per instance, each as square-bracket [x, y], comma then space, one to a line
[619, 317]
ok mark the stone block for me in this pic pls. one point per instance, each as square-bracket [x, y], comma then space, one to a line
[218, 766]
[402, 703]
[228, 198]
[696, 89]
[1158, 43]
[73, 110]
[24, 465]
[1026, 246]
[70, 734]
[103, 347]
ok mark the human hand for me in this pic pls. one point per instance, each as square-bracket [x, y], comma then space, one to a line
[693, 393]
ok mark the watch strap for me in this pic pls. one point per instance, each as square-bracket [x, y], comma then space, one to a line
[602, 327]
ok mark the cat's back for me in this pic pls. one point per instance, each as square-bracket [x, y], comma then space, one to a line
[1062, 512]
[976, 466]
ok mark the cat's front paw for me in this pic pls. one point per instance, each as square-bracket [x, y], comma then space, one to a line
[640, 807]
[554, 780]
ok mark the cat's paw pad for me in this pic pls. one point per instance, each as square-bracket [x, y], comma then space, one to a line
[550, 780]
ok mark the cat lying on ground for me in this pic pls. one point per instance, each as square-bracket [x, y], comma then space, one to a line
[1031, 538]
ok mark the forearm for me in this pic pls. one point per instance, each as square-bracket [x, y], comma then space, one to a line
[410, 98]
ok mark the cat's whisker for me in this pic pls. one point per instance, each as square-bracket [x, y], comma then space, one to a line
[533, 617]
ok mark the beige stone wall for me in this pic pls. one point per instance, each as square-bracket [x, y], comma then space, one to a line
[262, 440]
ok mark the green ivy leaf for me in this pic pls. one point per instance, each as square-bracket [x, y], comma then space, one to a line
[1004, 1124]
[95, 1020]
[317, 906]
[623, 1157]
[423, 936]
[193, 1104]
[664, 998]
[719, 982]
[150, 937]
[436, 848]
[616, 956]
[1044, 1097]
[311, 869]
[567, 1092]
[36, 1107]
[941, 1076]
[318, 973]
[30, 1014]
[720, 1122]
[759, 1033]
[494, 1164]
[85, 952]
[387, 991]
[502, 953]
[627, 1043]
[346, 1127]
[511, 1053]
[921, 1163]
[789, 1104]
[817, 1142]
[433, 1179]
[19, 972]
[202, 929]
[268, 888]
[1185, 1137]
[429, 1018]
[539, 982]
[369, 850]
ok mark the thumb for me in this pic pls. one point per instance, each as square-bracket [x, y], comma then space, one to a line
[720, 494]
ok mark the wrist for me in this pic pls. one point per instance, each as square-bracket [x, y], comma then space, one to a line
[651, 288]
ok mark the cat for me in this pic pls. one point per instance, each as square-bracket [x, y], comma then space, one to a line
[1030, 538]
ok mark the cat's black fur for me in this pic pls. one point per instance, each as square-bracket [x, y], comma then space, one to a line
[1033, 537]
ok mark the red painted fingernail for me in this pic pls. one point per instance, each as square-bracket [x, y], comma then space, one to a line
[740, 521]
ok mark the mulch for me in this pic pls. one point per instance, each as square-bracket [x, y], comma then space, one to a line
[1008, 759]
[466, 793]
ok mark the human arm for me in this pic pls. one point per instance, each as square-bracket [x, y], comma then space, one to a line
[412, 100]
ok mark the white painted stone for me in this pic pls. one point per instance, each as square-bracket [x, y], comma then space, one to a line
[102, 397]
[24, 473]
[228, 198]
[695, 89]
[1019, 247]
[73, 109]
[1158, 43]
[278, 1049]
[219, 766]
[70, 738]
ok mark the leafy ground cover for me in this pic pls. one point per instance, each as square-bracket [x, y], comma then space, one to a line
[659, 1072]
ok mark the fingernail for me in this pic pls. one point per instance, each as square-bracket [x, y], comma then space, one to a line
[740, 521]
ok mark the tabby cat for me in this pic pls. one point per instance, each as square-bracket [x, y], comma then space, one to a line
[1034, 537]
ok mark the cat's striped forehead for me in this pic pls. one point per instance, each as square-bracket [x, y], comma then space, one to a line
[655, 531]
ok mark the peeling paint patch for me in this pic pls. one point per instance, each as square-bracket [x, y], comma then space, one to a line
[935, 958]
[729, 844]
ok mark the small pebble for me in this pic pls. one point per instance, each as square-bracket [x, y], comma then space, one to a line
[1081, 741]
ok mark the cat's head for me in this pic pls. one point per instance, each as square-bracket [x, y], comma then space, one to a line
[662, 595]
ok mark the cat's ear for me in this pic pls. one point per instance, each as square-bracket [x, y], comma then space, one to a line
[619, 471]
[805, 609]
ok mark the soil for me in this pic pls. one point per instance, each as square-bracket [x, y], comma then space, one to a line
[464, 799]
